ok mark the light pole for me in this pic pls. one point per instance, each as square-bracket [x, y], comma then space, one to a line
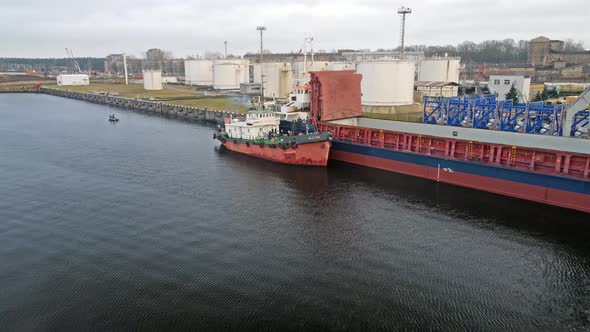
[261, 28]
[125, 69]
[403, 12]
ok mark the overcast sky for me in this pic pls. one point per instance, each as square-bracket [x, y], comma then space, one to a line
[43, 28]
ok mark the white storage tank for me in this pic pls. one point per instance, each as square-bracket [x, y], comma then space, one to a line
[278, 78]
[340, 66]
[228, 76]
[244, 69]
[198, 72]
[387, 82]
[72, 79]
[152, 79]
[301, 73]
[439, 70]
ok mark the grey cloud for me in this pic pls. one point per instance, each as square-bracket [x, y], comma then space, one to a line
[44, 28]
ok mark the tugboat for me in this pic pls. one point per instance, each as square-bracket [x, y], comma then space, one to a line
[259, 136]
[294, 113]
[112, 118]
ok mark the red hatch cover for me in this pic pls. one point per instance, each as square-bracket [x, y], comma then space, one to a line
[335, 95]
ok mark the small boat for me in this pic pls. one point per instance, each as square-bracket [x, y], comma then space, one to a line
[112, 118]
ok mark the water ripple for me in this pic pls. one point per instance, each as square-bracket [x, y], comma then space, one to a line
[148, 225]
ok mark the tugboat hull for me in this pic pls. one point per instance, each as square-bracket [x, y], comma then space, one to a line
[308, 154]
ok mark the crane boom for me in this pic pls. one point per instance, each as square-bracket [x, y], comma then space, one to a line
[73, 63]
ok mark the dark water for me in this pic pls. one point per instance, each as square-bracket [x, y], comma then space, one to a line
[147, 225]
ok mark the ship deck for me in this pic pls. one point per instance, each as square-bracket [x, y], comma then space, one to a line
[544, 142]
[557, 156]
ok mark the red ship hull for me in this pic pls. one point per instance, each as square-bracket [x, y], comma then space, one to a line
[551, 177]
[309, 154]
[541, 194]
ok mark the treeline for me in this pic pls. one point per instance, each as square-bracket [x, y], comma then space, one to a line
[489, 51]
[47, 63]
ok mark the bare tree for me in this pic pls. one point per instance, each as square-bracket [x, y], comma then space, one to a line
[213, 55]
[571, 46]
[167, 55]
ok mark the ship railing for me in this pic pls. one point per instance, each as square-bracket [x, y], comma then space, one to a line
[540, 161]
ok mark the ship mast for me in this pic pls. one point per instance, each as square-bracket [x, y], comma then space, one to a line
[261, 28]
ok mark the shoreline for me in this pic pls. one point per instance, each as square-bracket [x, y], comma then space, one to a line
[187, 112]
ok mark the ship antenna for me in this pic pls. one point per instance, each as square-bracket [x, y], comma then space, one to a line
[261, 28]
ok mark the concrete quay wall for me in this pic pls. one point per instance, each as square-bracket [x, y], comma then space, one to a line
[203, 114]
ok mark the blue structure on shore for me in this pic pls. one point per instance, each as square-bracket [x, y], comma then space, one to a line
[486, 112]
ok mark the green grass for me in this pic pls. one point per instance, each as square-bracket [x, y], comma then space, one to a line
[222, 104]
[128, 91]
[187, 88]
[137, 91]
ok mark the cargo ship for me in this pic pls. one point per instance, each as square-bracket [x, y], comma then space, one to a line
[259, 135]
[547, 169]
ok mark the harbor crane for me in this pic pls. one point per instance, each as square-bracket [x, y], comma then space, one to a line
[73, 64]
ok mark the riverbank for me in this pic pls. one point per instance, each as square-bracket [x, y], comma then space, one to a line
[178, 103]
[177, 95]
[17, 89]
[188, 112]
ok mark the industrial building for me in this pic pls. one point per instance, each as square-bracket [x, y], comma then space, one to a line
[152, 79]
[546, 52]
[500, 85]
[552, 62]
[540, 48]
[437, 89]
[72, 79]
